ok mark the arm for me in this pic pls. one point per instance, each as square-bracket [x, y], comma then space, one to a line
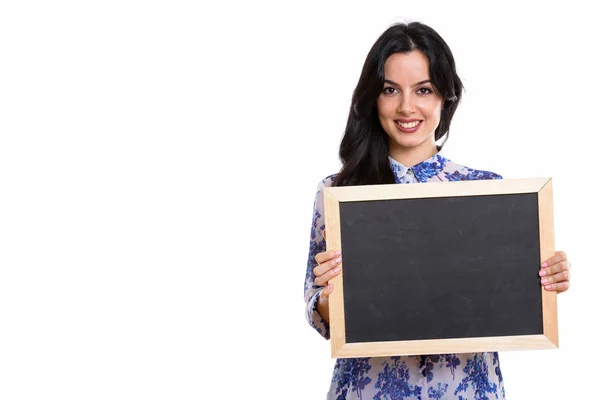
[315, 309]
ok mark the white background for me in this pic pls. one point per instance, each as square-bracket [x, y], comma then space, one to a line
[159, 160]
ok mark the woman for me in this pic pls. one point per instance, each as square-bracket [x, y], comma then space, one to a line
[402, 107]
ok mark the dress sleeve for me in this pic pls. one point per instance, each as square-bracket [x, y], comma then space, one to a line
[317, 245]
[486, 175]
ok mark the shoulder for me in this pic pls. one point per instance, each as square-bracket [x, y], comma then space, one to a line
[326, 182]
[323, 183]
[319, 197]
[458, 172]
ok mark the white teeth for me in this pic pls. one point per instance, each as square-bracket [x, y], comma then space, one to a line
[408, 125]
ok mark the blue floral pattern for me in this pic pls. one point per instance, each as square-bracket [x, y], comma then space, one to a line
[351, 375]
[473, 376]
[430, 168]
[393, 382]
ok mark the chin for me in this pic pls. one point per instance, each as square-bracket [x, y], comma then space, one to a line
[408, 144]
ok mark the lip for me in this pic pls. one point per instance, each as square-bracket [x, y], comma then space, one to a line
[407, 130]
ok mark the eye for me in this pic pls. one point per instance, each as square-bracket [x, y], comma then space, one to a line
[424, 90]
[389, 90]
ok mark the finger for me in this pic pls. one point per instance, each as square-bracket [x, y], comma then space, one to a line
[558, 277]
[325, 293]
[554, 269]
[326, 256]
[556, 258]
[326, 266]
[322, 279]
[559, 287]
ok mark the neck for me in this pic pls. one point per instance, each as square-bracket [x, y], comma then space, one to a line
[414, 155]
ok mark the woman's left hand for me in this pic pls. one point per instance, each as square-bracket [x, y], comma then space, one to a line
[555, 273]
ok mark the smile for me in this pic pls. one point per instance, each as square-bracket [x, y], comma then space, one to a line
[408, 127]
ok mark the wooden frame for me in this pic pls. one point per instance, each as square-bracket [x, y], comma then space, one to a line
[336, 195]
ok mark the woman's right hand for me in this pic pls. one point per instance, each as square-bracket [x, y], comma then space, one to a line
[327, 268]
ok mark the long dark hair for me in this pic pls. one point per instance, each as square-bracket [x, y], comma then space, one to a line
[364, 147]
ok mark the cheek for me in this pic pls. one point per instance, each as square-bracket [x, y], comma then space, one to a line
[432, 109]
[385, 108]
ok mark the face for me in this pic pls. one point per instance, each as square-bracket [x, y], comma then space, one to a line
[409, 107]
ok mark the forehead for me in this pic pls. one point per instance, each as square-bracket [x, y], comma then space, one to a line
[407, 66]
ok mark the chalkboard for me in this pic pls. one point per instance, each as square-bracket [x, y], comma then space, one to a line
[441, 267]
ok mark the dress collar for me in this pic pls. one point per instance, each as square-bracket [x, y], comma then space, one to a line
[422, 171]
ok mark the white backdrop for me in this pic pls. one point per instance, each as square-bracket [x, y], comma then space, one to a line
[159, 160]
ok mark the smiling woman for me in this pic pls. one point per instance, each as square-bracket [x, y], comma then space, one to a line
[399, 120]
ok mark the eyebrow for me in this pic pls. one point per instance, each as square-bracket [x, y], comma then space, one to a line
[416, 84]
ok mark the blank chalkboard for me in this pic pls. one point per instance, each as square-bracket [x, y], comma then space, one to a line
[441, 268]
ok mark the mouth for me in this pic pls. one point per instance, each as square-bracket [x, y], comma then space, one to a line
[408, 126]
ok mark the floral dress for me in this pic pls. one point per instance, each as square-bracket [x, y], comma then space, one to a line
[473, 376]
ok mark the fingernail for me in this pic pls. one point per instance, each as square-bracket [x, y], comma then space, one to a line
[544, 265]
[338, 260]
[542, 273]
[337, 253]
[544, 281]
[548, 287]
[336, 270]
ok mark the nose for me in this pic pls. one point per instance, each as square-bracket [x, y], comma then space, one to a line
[406, 105]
